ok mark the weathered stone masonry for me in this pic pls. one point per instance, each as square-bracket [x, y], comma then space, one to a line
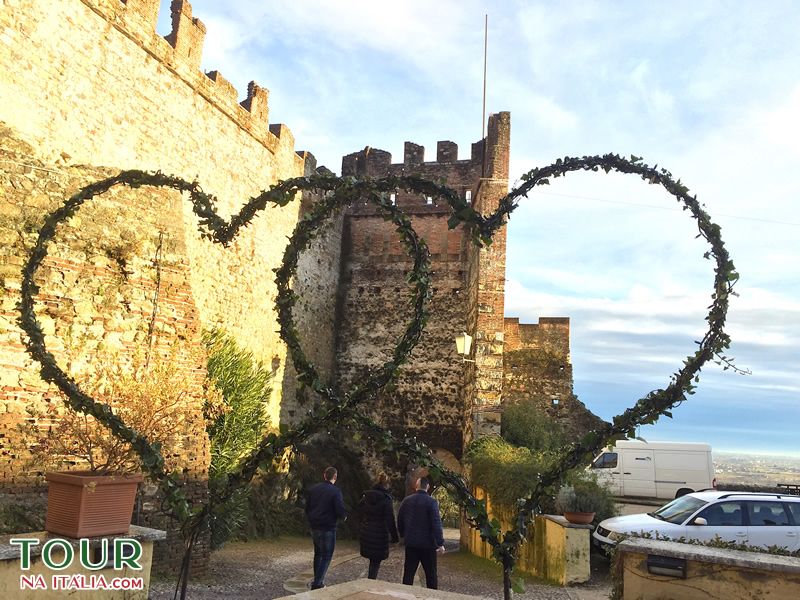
[91, 82]
[437, 395]
[114, 269]
[537, 368]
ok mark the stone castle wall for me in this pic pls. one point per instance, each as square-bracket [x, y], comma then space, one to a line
[432, 396]
[537, 369]
[91, 82]
[114, 288]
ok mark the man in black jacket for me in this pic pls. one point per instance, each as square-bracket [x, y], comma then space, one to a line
[324, 506]
[420, 525]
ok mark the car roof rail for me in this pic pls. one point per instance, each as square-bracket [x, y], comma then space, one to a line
[729, 494]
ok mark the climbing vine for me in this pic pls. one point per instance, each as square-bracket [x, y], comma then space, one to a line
[341, 407]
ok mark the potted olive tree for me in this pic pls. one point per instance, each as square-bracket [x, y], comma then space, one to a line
[92, 476]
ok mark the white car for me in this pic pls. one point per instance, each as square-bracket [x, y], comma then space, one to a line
[744, 517]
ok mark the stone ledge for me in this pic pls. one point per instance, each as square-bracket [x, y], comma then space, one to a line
[10, 551]
[561, 520]
[738, 558]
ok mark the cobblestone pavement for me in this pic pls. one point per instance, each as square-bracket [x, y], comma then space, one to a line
[260, 569]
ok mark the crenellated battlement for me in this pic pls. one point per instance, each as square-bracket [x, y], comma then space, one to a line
[550, 334]
[464, 176]
[181, 52]
[187, 34]
[373, 162]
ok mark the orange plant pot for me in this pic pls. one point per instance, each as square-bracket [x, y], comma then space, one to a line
[83, 504]
[579, 518]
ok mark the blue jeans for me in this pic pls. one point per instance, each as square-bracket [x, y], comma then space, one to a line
[324, 543]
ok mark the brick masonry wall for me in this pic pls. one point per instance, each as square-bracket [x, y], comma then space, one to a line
[487, 272]
[432, 396]
[96, 305]
[90, 82]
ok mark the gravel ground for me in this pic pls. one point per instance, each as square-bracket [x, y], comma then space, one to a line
[257, 569]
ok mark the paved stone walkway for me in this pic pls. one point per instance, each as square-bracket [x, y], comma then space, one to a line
[264, 569]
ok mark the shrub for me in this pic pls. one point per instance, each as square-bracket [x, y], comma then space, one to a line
[236, 424]
[153, 399]
[582, 493]
[506, 472]
[524, 424]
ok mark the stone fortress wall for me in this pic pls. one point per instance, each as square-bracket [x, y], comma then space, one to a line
[90, 82]
[428, 398]
[115, 288]
[537, 368]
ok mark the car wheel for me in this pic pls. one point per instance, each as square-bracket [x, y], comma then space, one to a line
[683, 492]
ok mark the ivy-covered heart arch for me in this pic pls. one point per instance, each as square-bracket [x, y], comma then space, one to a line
[341, 408]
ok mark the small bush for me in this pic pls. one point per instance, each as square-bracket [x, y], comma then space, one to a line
[524, 424]
[152, 399]
[582, 493]
[237, 426]
[236, 423]
[506, 472]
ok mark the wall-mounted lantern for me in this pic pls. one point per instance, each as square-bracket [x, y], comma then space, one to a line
[464, 346]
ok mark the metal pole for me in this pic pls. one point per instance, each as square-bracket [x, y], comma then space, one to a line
[483, 114]
[485, 47]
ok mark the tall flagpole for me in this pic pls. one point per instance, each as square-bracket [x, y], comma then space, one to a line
[483, 114]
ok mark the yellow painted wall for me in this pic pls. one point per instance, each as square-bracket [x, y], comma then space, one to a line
[552, 551]
[706, 581]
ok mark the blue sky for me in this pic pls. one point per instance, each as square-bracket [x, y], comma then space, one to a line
[708, 90]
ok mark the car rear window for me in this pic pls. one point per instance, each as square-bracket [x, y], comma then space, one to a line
[767, 514]
[679, 509]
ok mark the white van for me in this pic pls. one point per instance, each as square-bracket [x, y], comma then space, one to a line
[655, 469]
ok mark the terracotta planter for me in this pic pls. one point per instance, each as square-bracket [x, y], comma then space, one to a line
[579, 518]
[83, 504]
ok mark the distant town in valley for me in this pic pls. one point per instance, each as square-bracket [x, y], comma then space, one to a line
[756, 469]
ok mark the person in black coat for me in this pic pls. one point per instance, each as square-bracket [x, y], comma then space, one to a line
[420, 525]
[377, 524]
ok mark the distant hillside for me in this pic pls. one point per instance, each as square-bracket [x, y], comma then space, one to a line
[751, 472]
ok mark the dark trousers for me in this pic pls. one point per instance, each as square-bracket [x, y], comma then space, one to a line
[374, 565]
[426, 556]
[324, 543]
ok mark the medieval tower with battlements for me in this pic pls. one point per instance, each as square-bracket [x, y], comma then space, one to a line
[88, 88]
